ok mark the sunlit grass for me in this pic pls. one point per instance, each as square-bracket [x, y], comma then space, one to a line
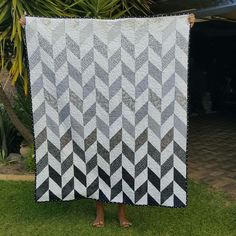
[206, 214]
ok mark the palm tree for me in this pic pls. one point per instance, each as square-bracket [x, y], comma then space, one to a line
[12, 38]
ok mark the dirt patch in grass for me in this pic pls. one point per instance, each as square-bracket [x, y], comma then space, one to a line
[14, 169]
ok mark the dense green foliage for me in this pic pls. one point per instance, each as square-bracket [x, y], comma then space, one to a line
[8, 135]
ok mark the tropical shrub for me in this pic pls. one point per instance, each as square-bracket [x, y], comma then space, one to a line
[22, 105]
[8, 135]
[29, 161]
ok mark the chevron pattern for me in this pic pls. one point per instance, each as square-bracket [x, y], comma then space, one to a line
[109, 104]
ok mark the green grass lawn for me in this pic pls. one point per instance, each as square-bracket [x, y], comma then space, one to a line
[207, 213]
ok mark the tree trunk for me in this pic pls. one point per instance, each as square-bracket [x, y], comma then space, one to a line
[26, 134]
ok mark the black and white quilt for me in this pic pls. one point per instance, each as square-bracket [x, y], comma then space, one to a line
[109, 105]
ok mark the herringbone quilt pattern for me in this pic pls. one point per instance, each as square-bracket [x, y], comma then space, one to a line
[109, 105]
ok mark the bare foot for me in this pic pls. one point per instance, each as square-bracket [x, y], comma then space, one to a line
[124, 222]
[99, 222]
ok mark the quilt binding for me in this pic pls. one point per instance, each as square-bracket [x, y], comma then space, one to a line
[187, 127]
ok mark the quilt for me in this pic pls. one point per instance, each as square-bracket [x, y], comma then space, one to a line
[109, 108]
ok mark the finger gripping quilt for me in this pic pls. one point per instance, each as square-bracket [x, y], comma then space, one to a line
[109, 108]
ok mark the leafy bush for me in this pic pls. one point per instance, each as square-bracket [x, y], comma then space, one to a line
[22, 105]
[8, 134]
[30, 160]
[3, 144]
